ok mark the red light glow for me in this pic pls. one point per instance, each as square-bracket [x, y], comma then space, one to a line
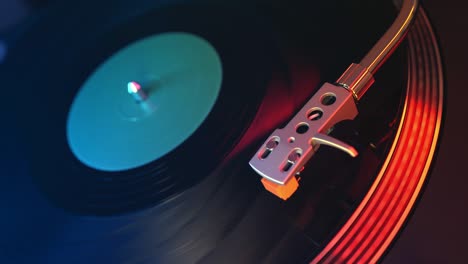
[379, 217]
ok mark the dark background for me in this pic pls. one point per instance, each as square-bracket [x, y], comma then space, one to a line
[438, 229]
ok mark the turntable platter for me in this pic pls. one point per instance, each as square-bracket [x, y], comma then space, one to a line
[195, 199]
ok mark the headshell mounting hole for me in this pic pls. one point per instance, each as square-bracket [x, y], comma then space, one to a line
[315, 114]
[302, 128]
[328, 99]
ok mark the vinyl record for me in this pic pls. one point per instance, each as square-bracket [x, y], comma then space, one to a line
[200, 202]
[69, 57]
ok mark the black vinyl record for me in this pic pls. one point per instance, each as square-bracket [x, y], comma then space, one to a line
[201, 202]
[90, 42]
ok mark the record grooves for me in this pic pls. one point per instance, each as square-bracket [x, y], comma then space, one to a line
[201, 202]
[392, 197]
[110, 193]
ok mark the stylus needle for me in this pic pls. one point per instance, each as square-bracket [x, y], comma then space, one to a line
[308, 129]
[288, 149]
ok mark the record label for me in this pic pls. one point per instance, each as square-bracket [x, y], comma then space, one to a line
[123, 116]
